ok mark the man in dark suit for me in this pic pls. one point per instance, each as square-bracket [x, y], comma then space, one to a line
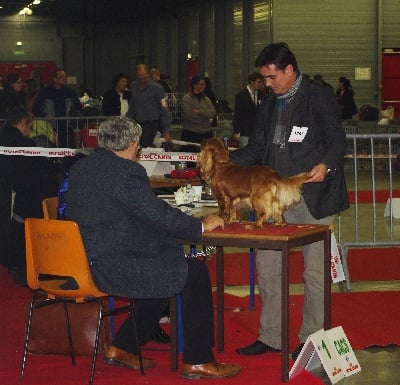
[131, 241]
[246, 105]
[298, 129]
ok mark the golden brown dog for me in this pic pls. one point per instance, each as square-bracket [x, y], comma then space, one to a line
[258, 186]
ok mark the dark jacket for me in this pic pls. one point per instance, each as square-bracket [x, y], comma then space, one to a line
[130, 235]
[57, 102]
[32, 178]
[9, 100]
[111, 102]
[244, 119]
[325, 142]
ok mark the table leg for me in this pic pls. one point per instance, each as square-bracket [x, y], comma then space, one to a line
[285, 314]
[174, 332]
[220, 298]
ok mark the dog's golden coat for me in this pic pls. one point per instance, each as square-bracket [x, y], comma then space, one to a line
[257, 186]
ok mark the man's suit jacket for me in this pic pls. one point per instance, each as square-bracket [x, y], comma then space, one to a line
[129, 234]
[325, 142]
[244, 119]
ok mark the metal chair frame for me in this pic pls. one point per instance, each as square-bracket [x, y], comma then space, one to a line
[43, 238]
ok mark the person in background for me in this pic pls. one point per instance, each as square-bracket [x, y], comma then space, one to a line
[148, 107]
[42, 131]
[320, 80]
[197, 113]
[12, 96]
[59, 101]
[116, 100]
[134, 254]
[246, 106]
[298, 130]
[210, 94]
[32, 178]
[345, 98]
[165, 81]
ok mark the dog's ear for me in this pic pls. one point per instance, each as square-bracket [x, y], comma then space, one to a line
[221, 153]
[205, 162]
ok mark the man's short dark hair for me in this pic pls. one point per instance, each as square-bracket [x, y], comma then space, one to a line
[55, 72]
[17, 115]
[254, 76]
[278, 54]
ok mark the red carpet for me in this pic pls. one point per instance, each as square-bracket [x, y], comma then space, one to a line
[373, 264]
[381, 196]
[367, 318]
[52, 370]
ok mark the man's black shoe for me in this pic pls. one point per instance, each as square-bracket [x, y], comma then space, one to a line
[296, 353]
[160, 336]
[256, 348]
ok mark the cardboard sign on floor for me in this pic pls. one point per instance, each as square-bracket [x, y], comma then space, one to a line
[331, 349]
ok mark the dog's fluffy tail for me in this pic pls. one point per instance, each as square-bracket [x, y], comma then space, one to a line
[289, 189]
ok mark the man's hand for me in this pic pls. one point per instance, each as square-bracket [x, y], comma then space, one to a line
[211, 222]
[317, 174]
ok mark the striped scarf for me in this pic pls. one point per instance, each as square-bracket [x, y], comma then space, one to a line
[283, 119]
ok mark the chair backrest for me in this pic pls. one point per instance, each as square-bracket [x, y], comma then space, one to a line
[55, 248]
[50, 208]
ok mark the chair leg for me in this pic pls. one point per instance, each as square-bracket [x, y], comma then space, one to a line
[133, 316]
[27, 335]
[69, 333]
[96, 341]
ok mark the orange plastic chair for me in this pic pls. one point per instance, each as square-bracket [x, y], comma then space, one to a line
[50, 208]
[55, 256]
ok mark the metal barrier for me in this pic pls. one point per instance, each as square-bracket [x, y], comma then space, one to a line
[368, 164]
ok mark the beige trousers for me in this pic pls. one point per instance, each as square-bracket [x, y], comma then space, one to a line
[269, 267]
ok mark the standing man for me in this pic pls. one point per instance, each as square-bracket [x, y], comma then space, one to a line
[59, 101]
[298, 129]
[149, 107]
[131, 237]
[246, 106]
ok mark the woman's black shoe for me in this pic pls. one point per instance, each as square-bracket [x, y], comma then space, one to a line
[160, 336]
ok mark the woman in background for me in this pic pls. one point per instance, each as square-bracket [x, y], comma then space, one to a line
[116, 100]
[345, 98]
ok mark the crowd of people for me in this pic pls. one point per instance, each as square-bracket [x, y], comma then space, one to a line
[282, 119]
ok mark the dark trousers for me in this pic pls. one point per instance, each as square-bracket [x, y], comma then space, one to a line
[197, 318]
[149, 131]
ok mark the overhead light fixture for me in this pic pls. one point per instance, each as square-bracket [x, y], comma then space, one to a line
[19, 43]
[26, 11]
[36, 2]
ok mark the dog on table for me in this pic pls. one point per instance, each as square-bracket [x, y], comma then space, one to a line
[258, 186]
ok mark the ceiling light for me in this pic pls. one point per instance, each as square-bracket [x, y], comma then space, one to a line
[19, 43]
[26, 11]
[36, 2]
